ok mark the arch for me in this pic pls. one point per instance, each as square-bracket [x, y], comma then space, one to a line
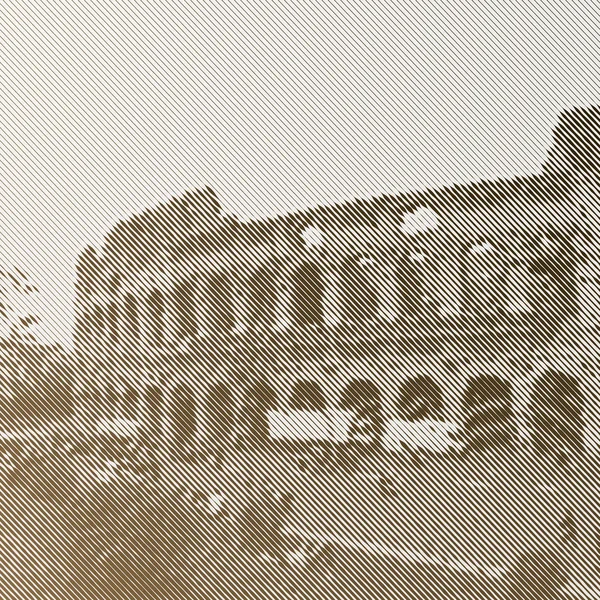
[307, 395]
[420, 398]
[154, 411]
[259, 399]
[307, 295]
[360, 301]
[219, 299]
[489, 418]
[556, 413]
[219, 412]
[156, 315]
[364, 399]
[130, 404]
[183, 418]
[262, 298]
[184, 299]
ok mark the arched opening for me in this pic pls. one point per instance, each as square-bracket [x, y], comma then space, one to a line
[363, 399]
[183, 419]
[410, 284]
[484, 276]
[184, 299]
[156, 316]
[307, 295]
[420, 398]
[489, 419]
[554, 283]
[262, 297]
[557, 413]
[130, 405]
[219, 413]
[259, 399]
[360, 302]
[307, 395]
[154, 410]
[219, 300]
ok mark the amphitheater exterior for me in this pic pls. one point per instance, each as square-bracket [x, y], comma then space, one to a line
[476, 304]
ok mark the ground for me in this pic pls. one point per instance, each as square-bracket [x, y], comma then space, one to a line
[457, 551]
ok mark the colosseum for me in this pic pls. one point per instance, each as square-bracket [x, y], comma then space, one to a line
[475, 305]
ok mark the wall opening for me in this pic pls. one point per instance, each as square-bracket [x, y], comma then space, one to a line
[489, 419]
[556, 413]
[420, 398]
[219, 302]
[261, 299]
[307, 295]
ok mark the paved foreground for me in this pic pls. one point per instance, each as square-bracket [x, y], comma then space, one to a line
[53, 545]
[44, 555]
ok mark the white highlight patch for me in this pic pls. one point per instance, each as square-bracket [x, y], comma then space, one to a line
[216, 503]
[301, 425]
[313, 237]
[421, 220]
[425, 434]
[119, 427]
[484, 248]
[404, 554]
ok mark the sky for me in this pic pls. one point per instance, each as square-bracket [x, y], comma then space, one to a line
[110, 107]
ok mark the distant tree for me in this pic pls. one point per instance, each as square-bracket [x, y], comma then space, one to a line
[19, 302]
[36, 376]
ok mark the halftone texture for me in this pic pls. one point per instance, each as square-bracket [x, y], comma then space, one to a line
[393, 397]
[385, 398]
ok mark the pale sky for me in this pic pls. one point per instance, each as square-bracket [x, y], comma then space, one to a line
[110, 107]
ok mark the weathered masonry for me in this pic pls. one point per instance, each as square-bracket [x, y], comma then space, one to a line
[475, 304]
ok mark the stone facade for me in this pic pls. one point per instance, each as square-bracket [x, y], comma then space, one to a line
[469, 290]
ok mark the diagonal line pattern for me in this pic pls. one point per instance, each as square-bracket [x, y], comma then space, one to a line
[393, 397]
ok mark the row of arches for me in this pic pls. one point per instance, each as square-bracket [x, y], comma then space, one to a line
[552, 299]
[555, 413]
[550, 276]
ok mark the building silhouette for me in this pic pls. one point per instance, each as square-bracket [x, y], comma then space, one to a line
[475, 303]
[473, 306]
